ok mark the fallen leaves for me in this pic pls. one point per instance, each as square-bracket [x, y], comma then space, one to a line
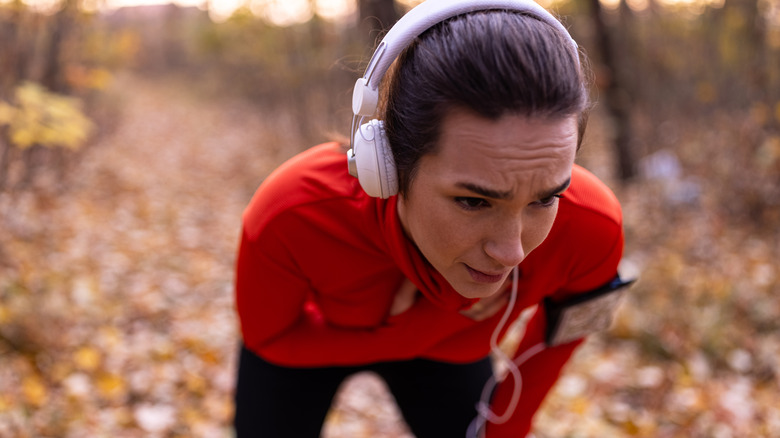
[117, 314]
[116, 297]
[87, 358]
[34, 390]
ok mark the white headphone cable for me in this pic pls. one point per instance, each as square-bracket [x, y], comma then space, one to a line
[484, 413]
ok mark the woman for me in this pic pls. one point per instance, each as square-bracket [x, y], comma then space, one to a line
[482, 113]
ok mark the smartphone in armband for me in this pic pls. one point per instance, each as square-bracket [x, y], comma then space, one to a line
[583, 314]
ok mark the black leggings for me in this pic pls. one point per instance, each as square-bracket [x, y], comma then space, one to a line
[436, 399]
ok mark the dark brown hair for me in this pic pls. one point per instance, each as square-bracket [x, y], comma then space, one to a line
[491, 62]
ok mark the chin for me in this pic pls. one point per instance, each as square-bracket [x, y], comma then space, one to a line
[472, 291]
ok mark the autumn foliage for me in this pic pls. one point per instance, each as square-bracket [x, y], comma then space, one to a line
[130, 142]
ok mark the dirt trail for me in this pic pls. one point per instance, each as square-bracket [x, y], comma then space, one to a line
[124, 281]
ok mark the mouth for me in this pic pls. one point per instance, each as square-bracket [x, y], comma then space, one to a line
[485, 277]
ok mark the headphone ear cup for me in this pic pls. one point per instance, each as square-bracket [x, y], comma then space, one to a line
[388, 172]
[374, 161]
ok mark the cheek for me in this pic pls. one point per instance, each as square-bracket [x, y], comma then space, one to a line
[539, 226]
[439, 233]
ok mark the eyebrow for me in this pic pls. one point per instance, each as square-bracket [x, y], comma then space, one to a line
[504, 195]
[552, 192]
[484, 191]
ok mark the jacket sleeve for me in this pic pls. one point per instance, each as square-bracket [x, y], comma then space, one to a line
[540, 372]
[277, 324]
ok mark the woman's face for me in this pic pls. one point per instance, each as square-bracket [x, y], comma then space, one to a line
[487, 197]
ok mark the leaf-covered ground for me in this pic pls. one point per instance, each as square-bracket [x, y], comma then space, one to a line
[116, 304]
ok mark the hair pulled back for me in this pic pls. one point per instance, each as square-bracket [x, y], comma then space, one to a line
[493, 63]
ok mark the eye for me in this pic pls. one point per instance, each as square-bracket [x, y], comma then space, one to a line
[470, 204]
[547, 202]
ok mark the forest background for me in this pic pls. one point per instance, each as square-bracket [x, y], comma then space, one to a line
[132, 138]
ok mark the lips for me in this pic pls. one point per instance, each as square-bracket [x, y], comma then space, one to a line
[484, 277]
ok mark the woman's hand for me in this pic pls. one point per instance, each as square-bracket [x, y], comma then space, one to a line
[404, 298]
[488, 306]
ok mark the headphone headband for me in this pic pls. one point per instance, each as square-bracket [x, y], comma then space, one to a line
[417, 21]
[371, 158]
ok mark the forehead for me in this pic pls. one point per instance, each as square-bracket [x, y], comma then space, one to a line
[510, 151]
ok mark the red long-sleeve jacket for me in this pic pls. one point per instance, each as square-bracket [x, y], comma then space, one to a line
[320, 262]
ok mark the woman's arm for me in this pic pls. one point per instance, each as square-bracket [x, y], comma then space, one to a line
[271, 297]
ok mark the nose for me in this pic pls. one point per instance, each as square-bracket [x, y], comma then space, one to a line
[505, 244]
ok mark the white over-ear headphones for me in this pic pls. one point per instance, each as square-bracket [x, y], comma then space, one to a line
[370, 157]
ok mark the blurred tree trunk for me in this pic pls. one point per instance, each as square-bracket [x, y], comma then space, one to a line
[13, 67]
[759, 54]
[376, 16]
[13, 56]
[53, 75]
[617, 90]
[750, 27]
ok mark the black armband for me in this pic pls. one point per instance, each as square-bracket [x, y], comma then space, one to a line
[583, 314]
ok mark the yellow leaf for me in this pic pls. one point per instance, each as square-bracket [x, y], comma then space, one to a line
[111, 386]
[48, 136]
[193, 416]
[98, 78]
[630, 427]
[5, 403]
[7, 113]
[34, 390]
[87, 358]
[31, 94]
[45, 118]
[59, 109]
[580, 405]
[209, 356]
[22, 138]
[195, 383]
[5, 314]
